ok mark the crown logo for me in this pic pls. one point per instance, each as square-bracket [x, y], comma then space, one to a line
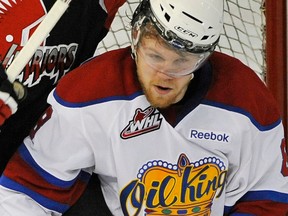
[182, 189]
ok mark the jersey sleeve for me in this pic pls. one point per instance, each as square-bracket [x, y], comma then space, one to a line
[257, 181]
[51, 168]
[259, 186]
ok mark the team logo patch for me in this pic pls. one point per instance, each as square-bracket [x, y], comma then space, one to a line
[185, 188]
[144, 121]
[48, 61]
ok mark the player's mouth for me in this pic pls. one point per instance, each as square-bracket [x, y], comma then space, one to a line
[162, 89]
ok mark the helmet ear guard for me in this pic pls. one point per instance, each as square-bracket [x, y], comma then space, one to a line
[138, 20]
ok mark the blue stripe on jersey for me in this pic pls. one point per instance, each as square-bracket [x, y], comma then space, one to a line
[26, 156]
[265, 195]
[243, 112]
[96, 101]
[251, 196]
[44, 201]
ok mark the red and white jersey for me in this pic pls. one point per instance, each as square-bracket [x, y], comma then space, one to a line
[217, 152]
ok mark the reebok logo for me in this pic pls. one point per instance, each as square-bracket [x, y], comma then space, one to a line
[209, 135]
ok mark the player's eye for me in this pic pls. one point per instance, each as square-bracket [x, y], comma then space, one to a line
[181, 61]
[155, 57]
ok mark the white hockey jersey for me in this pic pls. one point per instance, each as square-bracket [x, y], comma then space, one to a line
[219, 151]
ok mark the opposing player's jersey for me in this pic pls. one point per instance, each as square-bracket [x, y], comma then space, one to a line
[72, 41]
[220, 150]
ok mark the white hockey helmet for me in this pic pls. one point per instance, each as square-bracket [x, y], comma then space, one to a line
[192, 25]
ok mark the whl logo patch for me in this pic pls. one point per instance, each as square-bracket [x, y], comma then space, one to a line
[144, 121]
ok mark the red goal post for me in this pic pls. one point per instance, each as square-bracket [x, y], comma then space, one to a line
[276, 53]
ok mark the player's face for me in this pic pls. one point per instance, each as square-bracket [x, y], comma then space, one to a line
[161, 87]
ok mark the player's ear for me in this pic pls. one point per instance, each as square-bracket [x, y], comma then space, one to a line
[135, 33]
[135, 36]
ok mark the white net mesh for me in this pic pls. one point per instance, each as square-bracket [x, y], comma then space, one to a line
[242, 37]
[243, 34]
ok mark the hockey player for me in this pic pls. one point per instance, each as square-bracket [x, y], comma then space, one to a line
[72, 41]
[173, 129]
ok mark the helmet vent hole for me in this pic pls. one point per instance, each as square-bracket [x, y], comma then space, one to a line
[167, 17]
[192, 17]
[205, 37]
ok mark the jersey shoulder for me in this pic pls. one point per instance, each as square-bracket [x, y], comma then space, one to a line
[103, 77]
[237, 87]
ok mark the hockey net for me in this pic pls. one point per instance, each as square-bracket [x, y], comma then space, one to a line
[254, 32]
